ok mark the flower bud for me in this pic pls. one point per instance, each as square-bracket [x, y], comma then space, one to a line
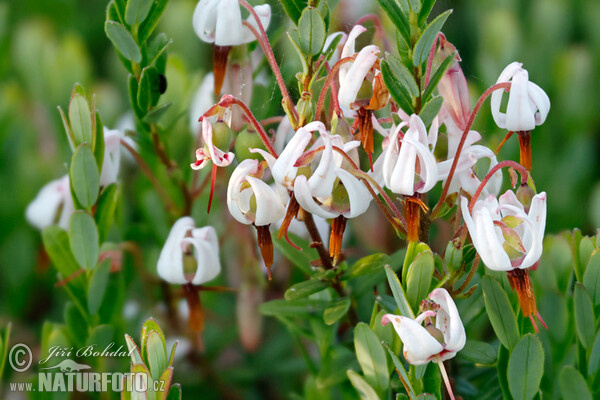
[222, 135]
[246, 140]
[525, 195]
[453, 255]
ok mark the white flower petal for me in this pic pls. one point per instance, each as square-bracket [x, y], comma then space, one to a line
[206, 247]
[306, 201]
[170, 261]
[448, 320]
[419, 345]
[236, 180]
[358, 195]
[269, 208]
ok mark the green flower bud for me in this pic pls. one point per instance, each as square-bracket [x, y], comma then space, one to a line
[245, 140]
[222, 136]
[453, 255]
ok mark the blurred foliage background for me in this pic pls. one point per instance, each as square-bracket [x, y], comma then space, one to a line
[47, 46]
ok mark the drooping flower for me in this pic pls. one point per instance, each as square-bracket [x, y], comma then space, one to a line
[220, 22]
[190, 254]
[52, 205]
[442, 336]
[509, 238]
[252, 201]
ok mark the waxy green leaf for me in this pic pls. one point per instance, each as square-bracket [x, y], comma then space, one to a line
[423, 45]
[311, 31]
[572, 384]
[500, 312]
[584, 316]
[420, 274]
[526, 368]
[83, 238]
[84, 176]
[336, 310]
[123, 41]
[398, 292]
[371, 357]
[304, 289]
[97, 286]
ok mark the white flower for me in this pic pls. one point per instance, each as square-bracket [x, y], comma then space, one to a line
[112, 156]
[52, 205]
[411, 167]
[528, 104]
[442, 336]
[250, 200]
[185, 240]
[504, 235]
[220, 22]
[210, 152]
[203, 99]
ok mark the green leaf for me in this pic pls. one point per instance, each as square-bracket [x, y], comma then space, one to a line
[336, 310]
[137, 10]
[367, 265]
[397, 16]
[398, 92]
[526, 368]
[300, 258]
[586, 248]
[594, 363]
[406, 78]
[431, 109]
[293, 8]
[151, 325]
[84, 176]
[101, 336]
[572, 385]
[80, 120]
[426, 396]
[398, 293]
[400, 370]
[591, 277]
[105, 211]
[437, 76]
[99, 142]
[149, 24]
[145, 89]
[415, 5]
[502, 367]
[156, 113]
[123, 41]
[479, 352]
[423, 45]
[426, 7]
[500, 312]
[174, 392]
[363, 389]
[296, 308]
[304, 289]
[97, 286]
[4, 342]
[584, 316]
[136, 357]
[83, 238]
[420, 274]
[371, 357]
[311, 31]
[68, 131]
[156, 354]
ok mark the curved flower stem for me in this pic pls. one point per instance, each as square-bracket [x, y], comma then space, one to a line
[328, 82]
[471, 274]
[271, 120]
[263, 40]
[440, 363]
[228, 100]
[169, 205]
[506, 163]
[485, 95]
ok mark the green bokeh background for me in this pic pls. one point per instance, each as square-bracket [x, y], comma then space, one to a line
[47, 46]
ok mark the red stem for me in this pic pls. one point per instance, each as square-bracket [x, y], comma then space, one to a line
[263, 40]
[507, 163]
[430, 59]
[329, 82]
[485, 95]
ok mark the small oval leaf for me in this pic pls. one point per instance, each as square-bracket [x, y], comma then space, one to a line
[371, 357]
[526, 368]
[311, 31]
[500, 312]
[572, 384]
[123, 41]
[84, 176]
[425, 42]
[584, 316]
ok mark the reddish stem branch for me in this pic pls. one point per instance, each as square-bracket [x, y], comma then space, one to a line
[485, 95]
[507, 163]
[263, 40]
[430, 59]
[328, 82]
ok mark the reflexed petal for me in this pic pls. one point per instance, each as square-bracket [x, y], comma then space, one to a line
[537, 218]
[541, 101]
[349, 50]
[519, 115]
[283, 169]
[448, 320]
[112, 157]
[353, 79]
[236, 180]
[269, 208]
[170, 261]
[41, 212]
[206, 247]
[496, 100]
[428, 165]
[419, 345]
[306, 201]
[205, 19]
[359, 196]
[322, 179]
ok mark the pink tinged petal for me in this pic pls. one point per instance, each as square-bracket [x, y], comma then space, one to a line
[269, 208]
[353, 79]
[170, 261]
[519, 115]
[218, 157]
[269, 158]
[541, 101]
[510, 199]
[306, 201]
[206, 246]
[537, 219]
[205, 19]
[42, 211]
[453, 88]
[283, 169]
[234, 193]
[416, 123]
[427, 162]
[424, 315]
[496, 100]
[264, 15]
[402, 179]
[448, 320]
[358, 195]
[419, 345]
[349, 49]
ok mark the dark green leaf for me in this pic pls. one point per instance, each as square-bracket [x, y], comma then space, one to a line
[594, 363]
[97, 286]
[296, 308]
[293, 8]
[304, 289]
[144, 94]
[123, 41]
[300, 258]
[151, 325]
[420, 274]
[572, 385]
[367, 265]
[80, 120]
[137, 10]
[156, 113]
[415, 5]
[426, 7]
[431, 109]
[479, 352]
[371, 357]
[105, 211]
[398, 293]
[426, 396]
[437, 76]
[500, 312]
[526, 368]
[336, 310]
[584, 316]
[83, 238]
[174, 392]
[591, 277]
[405, 77]
[400, 370]
[146, 28]
[311, 31]
[99, 146]
[397, 17]
[56, 243]
[84, 175]
[423, 45]
[502, 367]
[399, 94]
